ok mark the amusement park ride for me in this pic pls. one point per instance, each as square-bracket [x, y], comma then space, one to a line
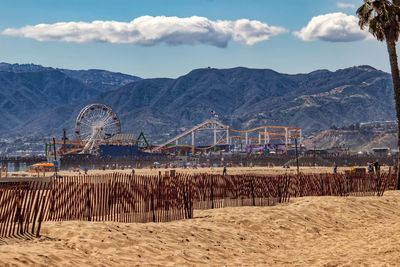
[94, 124]
[228, 138]
[98, 129]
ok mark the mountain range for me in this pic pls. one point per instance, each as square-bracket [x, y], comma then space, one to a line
[36, 99]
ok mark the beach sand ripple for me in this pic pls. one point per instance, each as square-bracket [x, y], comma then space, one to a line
[311, 231]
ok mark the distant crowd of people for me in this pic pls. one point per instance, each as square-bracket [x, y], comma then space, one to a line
[374, 167]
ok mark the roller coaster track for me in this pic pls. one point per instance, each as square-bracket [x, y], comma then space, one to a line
[266, 127]
[219, 142]
[206, 125]
[268, 131]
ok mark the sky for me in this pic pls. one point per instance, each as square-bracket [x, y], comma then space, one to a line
[169, 38]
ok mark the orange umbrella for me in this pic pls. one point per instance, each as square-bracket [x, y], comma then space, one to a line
[45, 164]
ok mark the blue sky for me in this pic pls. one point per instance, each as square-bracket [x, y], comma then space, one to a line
[317, 47]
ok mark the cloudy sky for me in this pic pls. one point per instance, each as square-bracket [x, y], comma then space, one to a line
[168, 38]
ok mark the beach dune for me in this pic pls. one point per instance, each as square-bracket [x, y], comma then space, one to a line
[310, 231]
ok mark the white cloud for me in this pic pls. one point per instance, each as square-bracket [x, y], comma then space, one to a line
[148, 31]
[345, 5]
[333, 27]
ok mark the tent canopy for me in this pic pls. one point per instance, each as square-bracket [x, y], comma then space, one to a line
[45, 164]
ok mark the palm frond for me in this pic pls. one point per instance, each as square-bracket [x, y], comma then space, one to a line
[382, 17]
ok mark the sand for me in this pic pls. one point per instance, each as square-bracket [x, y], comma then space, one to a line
[231, 170]
[311, 231]
[218, 170]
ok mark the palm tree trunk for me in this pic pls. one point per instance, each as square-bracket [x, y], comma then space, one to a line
[391, 46]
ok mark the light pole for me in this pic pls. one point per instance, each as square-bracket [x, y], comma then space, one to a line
[297, 156]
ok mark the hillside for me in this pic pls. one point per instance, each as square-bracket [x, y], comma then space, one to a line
[29, 95]
[101, 80]
[35, 99]
[356, 137]
[246, 98]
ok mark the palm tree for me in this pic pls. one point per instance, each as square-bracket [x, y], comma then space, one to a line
[382, 17]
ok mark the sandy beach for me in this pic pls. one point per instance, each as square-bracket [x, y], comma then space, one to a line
[311, 231]
[216, 170]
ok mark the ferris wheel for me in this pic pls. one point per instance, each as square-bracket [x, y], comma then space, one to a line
[95, 123]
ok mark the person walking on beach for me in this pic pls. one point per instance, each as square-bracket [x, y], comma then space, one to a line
[335, 168]
[224, 172]
[377, 167]
[370, 167]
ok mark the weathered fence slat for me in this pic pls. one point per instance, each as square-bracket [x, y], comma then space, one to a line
[132, 198]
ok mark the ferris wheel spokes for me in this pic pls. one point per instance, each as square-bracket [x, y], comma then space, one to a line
[94, 124]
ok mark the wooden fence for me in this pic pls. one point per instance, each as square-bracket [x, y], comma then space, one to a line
[126, 198]
[214, 191]
[341, 185]
[117, 197]
[22, 206]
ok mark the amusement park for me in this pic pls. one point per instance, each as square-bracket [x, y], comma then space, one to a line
[98, 142]
[97, 134]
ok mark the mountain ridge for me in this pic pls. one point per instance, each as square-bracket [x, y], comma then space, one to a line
[103, 80]
[240, 95]
[243, 98]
